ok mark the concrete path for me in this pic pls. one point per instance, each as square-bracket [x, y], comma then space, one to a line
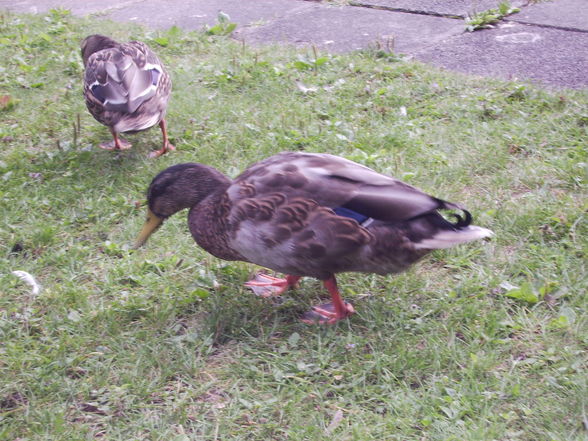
[546, 42]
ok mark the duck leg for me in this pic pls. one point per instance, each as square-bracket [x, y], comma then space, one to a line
[267, 286]
[116, 143]
[332, 312]
[167, 146]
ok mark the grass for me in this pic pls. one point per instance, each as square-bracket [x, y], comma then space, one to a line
[483, 342]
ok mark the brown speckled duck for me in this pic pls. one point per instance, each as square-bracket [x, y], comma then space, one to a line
[307, 215]
[126, 88]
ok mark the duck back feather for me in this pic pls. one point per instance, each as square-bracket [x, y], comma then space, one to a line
[125, 84]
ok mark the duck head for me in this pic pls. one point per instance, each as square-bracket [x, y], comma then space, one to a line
[175, 188]
[95, 43]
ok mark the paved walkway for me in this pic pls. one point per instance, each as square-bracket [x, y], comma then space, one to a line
[546, 42]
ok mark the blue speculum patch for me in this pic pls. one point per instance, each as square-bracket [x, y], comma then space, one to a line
[154, 76]
[346, 212]
[97, 91]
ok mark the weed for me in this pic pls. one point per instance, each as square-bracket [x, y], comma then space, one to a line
[223, 25]
[486, 19]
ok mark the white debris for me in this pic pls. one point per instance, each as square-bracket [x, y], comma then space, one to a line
[29, 280]
[302, 87]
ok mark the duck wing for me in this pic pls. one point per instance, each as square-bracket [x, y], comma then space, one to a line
[336, 182]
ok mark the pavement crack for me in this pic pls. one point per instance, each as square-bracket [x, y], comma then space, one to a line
[407, 11]
[547, 26]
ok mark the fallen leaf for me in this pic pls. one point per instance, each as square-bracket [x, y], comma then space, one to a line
[6, 102]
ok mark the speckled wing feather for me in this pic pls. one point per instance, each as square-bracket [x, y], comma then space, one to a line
[337, 182]
[294, 235]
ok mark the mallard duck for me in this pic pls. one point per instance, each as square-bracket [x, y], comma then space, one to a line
[307, 215]
[126, 88]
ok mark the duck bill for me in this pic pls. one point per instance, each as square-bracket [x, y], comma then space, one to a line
[152, 223]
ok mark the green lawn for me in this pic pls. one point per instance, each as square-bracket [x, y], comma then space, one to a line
[483, 342]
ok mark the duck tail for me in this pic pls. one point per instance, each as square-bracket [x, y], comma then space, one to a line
[451, 238]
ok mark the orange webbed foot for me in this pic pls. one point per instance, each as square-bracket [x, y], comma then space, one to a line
[265, 285]
[326, 314]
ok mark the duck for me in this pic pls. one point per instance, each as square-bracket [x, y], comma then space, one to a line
[126, 88]
[308, 215]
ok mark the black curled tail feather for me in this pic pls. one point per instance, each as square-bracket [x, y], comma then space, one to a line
[461, 221]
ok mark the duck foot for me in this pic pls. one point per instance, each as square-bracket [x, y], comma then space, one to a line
[118, 144]
[167, 146]
[265, 285]
[326, 314]
[162, 151]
